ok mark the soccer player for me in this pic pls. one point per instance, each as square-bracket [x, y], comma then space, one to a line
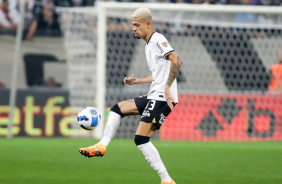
[164, 64]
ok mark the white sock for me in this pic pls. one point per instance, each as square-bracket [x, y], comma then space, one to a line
[165, 176]
[153, 157]
[111, 128]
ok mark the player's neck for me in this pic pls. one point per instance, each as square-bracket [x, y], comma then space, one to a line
[148, 36]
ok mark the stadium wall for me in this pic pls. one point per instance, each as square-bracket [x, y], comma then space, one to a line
[198, 117]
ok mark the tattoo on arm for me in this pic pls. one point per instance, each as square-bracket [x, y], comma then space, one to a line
[174, 69]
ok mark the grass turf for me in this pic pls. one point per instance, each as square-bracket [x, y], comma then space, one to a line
[44, 161]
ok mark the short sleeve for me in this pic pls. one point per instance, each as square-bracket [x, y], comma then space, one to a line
[164, 46]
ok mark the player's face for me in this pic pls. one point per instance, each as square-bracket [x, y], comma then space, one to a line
[5, 6]
[139, 28]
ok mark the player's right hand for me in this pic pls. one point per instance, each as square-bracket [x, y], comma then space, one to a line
[129, 80]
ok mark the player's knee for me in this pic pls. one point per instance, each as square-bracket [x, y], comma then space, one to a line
[139, 139]
[117, 110]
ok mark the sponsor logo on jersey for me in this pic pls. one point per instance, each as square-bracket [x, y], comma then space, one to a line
[164, 44]
[159, 46]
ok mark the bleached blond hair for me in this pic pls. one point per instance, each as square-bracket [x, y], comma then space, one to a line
[143, 13]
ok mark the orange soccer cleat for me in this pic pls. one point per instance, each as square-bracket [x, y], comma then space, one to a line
[97, 150]
[172, 182]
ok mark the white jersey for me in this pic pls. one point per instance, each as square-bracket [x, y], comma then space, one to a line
[157, 49]
[13, 15]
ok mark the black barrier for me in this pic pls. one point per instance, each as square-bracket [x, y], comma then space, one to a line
[39, 112]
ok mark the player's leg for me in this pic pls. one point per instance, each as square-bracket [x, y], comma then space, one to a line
[151, 120]
[142, 139]
[117, 112]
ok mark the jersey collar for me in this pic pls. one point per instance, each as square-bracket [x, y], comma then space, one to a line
[150, 37]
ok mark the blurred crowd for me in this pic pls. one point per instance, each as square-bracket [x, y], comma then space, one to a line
[41, 18]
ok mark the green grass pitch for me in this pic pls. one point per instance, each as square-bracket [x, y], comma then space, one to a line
[57, 161]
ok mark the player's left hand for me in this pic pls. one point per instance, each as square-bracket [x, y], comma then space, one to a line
[169, 98]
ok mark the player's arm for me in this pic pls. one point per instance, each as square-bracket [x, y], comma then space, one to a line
[176, 62]
[2, 26]
[132, 80]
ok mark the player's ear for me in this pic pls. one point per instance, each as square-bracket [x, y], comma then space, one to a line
[149, 24]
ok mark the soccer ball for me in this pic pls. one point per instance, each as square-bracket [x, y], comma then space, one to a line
[89, 118]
